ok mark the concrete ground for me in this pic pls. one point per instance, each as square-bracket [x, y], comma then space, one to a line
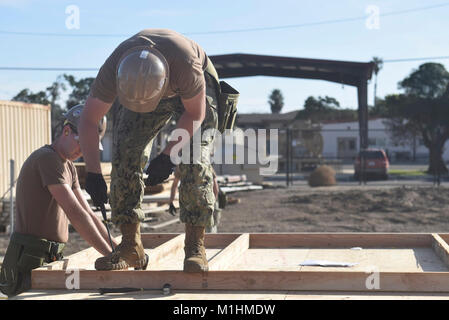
[228, 295]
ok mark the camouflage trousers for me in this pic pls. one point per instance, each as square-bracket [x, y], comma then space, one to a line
[132, 141]
[214, 222]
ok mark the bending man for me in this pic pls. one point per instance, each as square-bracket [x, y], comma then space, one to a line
[156, 74]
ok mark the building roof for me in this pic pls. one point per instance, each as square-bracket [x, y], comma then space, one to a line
[243, 65]
[348, 121]
[253, 118]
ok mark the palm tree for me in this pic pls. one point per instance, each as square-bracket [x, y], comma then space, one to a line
[378, 64]
[276, 101]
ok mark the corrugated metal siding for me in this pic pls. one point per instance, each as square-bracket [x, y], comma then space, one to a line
[24, 127]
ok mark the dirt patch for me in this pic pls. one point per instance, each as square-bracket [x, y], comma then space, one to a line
[337, 209]
[325, 209]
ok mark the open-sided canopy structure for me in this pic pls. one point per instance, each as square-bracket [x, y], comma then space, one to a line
[344, 72]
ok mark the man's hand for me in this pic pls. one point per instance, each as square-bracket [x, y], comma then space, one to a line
[79, 217]
[159, 169]
[96, 188]
[172, 210]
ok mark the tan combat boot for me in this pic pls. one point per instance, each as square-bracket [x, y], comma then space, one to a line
[128, 254]
[195, 253]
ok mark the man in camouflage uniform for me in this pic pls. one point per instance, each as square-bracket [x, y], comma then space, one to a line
[156, 75]
[214, 221]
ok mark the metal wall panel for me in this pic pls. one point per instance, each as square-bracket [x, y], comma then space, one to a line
[24, 127]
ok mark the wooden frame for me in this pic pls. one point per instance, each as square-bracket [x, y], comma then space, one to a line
[411, 262]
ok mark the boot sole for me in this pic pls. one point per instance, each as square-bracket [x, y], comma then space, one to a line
[140, 265]
[145, 264]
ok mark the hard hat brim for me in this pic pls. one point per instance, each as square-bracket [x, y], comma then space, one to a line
[148, 106]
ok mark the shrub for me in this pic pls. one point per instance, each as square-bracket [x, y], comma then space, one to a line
[322, 176]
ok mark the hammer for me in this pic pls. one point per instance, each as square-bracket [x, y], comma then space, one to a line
[103, 212]
[166, 290]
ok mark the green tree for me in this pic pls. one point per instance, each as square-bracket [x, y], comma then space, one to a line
[80, 90]
[325, 104]
[26, 95]
[276, 101]
[50, 96]
[423, 109]
[327, 108]
[378, 64]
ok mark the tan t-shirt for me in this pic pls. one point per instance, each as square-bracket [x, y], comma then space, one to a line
[37, 212]
[186, 59]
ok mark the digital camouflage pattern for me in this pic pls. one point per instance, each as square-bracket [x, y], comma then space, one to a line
[214, 221]
[132, 141]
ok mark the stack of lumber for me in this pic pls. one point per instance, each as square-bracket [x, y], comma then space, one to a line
[157, 198]
[163, 187]
[236, 183]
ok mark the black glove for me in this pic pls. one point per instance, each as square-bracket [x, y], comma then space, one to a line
[96, 188]
[160, 168]
[172, 209]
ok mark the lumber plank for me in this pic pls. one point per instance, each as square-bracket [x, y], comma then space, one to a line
[163, 224]
[159, 253]
[219, 240]
[153, 240]
[211, 240]
[224, 259]
[247, 280]
[340, 240]
[163, 197]
[441, 248]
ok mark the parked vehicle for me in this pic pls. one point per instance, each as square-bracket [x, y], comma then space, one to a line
[376, 163]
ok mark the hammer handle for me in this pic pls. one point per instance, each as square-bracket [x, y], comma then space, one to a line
[103, 212]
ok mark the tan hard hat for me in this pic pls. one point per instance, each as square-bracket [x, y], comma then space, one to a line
[73, 115]
[142, 78]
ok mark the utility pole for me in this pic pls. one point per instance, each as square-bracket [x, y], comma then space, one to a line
[11, 197]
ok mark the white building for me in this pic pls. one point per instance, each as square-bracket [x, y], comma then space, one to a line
[341, 140]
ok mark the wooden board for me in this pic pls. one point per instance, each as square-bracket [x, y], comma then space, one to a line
[385, 262]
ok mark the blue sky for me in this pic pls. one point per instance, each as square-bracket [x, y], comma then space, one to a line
[413, 31]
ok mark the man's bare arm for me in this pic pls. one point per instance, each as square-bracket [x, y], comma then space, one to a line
[98, 223]
[94, 110]
[195, 111]
[79, 217]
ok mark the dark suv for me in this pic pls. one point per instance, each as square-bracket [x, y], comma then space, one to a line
[376, 163]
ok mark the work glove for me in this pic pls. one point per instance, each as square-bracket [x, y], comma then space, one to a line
[159, 169]
[172, 210]
[96, 188]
